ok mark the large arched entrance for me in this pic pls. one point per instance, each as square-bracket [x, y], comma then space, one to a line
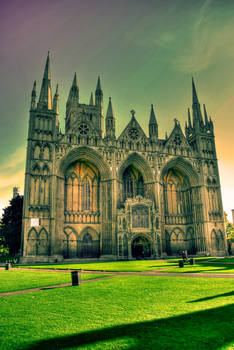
[141, 248]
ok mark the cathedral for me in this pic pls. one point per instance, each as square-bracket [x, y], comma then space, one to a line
[92, 195]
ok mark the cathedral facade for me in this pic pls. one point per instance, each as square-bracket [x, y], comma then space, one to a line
[90, 194]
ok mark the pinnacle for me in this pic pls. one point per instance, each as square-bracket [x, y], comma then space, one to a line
[98, 88]
[152, 116]
[195, 98]
[74, 83]
[91, 100]
[205, 114]
[56, 92]
[110, 112]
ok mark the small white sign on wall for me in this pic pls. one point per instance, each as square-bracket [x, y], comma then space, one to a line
[35, 222]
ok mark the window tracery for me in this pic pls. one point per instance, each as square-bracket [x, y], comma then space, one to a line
[82, 193]
[133, 183]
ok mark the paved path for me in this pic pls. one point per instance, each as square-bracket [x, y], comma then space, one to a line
[50, 287]
[116, 274]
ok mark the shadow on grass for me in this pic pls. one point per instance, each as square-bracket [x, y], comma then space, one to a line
[210, 329]
[213, 297]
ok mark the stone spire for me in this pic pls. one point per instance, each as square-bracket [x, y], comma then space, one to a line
[56, 100]
[74, 92]
[45, 100]
[197, 116]
[153, 125]
[33, 96]
[91, 100]
[110, 121]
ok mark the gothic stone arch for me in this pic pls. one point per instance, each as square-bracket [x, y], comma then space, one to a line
[139, 170]
[94, 159]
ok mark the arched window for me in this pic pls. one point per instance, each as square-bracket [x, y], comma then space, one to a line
[177, 198]
[140, 186]
[86, 195]
[128, 186]
[133, 183]
[82, 186]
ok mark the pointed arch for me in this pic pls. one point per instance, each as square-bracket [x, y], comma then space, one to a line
[45, 169]
[47, 151]
[37, 151]
[42, 242]
[36, 168]
[90, 243]
[138, 162]
[32, 242]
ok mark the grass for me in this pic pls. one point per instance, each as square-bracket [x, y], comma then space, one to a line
[127, 266]
[225, 259]
[203, 268]
[127, 312]
[203, 265]
[18, 280]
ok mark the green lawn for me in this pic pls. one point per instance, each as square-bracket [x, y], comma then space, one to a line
[127, 312]
[225, 260]
[135, 265]
[210, 265]
[204, 268]
[18, 280]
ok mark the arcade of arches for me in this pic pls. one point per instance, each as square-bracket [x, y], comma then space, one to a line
[142, 230]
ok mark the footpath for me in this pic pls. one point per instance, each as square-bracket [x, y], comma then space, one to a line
[113, 275]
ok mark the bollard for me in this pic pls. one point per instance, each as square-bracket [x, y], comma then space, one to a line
[181, 263]
[76, 277]
[192, 261]
[8, 266]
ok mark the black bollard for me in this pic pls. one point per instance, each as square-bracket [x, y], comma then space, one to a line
[181, 263]
[76, 277]
[8, 266]
[192, 261]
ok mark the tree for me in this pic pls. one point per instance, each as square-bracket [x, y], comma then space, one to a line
[10, 225]
[229, 227]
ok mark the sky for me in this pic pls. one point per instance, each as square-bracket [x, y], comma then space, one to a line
[144, 51]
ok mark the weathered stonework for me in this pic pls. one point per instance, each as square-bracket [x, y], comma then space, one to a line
[90, 195]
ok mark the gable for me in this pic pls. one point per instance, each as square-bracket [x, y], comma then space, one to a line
[133, 132]
[177, 138]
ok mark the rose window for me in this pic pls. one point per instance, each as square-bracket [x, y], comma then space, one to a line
[133, 133]
[177, 140]
[83, 129]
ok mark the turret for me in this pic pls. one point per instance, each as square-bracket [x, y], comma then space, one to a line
[33, 96]
[153, 125]
[110, 121]
[45, 100]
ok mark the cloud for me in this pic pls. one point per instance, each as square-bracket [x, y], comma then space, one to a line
[16, 159]
[11, 180]
[209, 40]
[11, 175]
